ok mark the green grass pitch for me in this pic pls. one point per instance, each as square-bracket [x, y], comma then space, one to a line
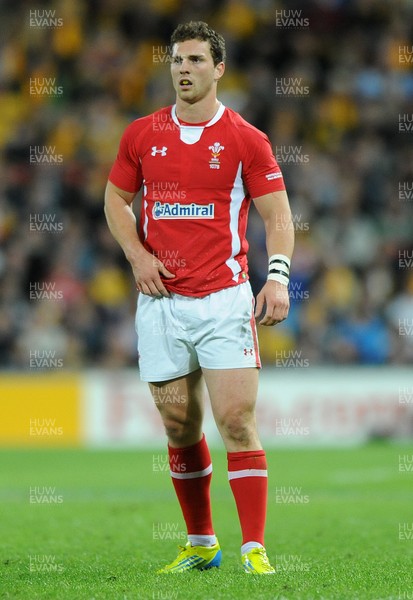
[95, 525]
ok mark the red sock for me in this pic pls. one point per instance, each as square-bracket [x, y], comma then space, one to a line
[191, 472]
[247, 473]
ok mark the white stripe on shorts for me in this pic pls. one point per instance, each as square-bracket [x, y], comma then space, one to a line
[193, 475]
[247, 473]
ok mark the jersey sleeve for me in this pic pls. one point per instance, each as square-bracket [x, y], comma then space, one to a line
[261, 172]
[126, 172]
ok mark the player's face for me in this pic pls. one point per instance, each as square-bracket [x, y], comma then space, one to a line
[194, 75]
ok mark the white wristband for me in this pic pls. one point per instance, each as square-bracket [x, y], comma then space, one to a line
[279, 268]
[278, 277]
[280, 258]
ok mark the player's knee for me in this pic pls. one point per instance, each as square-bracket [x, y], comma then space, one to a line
[174, 430]
[237, 426]
[178, 430]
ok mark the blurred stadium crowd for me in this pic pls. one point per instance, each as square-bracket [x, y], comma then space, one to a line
[327, 84]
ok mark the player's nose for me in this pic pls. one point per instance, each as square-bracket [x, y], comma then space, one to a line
[184, 67]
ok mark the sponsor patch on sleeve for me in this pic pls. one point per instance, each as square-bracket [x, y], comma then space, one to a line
[272, 176]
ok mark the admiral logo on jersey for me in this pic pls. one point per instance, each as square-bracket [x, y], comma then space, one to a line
[183, 211]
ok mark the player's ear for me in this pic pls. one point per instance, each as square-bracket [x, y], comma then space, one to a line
[219, 70]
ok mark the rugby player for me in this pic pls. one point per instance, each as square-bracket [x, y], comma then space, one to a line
[200, 165]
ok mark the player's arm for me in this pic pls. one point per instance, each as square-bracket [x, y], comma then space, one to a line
[122, 224]
[275, 211]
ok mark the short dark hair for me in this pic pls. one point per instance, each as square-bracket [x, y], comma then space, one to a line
[199, 30]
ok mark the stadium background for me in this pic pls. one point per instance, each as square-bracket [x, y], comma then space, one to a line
[88, 511]
[331, 82]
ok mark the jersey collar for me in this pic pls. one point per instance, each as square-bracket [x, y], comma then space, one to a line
[214, 119]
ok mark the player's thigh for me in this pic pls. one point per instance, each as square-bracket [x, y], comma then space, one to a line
[233, 393]
[180, 399]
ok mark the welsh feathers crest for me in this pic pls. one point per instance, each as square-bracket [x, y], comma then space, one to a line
[216, 148]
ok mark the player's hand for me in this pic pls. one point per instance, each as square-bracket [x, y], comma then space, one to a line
[274, 296]
[147, 270]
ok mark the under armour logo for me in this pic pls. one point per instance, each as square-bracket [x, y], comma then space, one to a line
[248, 351]
[162, 151]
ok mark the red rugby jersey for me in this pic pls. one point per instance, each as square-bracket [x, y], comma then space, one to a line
[198, 181]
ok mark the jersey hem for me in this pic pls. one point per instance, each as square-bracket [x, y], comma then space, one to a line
[208, 293]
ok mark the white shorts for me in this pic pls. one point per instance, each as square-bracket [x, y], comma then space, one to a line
[177, 335]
